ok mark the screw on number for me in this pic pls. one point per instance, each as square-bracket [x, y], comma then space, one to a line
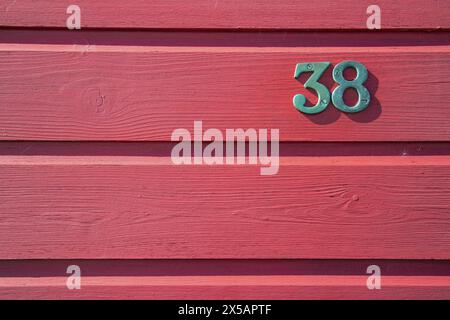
[357, 84]
[317, 69]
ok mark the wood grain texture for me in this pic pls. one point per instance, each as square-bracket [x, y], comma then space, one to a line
[227, 287]
[228, 14]
[86, 116]
[55, 207]
[84, 92]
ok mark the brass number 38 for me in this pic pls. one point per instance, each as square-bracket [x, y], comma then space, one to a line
[317, 69]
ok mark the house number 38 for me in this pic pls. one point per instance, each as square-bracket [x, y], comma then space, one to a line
[317, 69]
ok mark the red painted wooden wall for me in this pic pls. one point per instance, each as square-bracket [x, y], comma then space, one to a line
[86, 178]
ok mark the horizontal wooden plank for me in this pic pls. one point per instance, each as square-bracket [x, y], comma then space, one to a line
[106, 92]
[228, 14]
[224, 279]
[227, 287]
[71, 207]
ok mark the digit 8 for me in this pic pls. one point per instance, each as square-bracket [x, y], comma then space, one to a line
[338, 93]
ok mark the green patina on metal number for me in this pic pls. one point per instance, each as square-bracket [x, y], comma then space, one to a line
[317, 69]
[344, 84]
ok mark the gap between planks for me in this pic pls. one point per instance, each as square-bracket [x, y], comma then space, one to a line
[284, 161]
[164, 148]
[187, 49]
[183, 38]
